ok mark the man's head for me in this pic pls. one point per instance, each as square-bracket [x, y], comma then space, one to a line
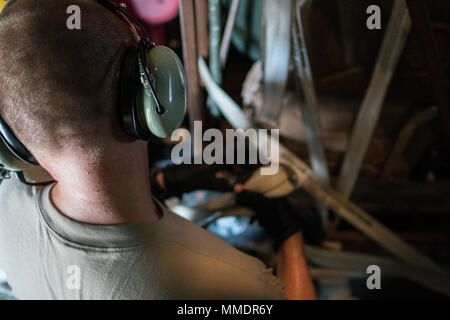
[59, 87]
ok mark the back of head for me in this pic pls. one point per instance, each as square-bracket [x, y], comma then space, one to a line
[59, 86]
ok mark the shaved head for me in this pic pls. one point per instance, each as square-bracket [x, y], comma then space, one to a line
[59, 87]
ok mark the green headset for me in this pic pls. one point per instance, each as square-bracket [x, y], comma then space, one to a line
[152, 95]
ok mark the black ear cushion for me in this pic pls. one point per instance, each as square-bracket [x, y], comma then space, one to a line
[130, 84]
[14, 145]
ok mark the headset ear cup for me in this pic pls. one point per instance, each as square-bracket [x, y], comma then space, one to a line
[169, 82]
[132, 117]
[9, 161]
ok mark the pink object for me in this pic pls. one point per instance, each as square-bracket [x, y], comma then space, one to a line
[155, 11]
[139, 9]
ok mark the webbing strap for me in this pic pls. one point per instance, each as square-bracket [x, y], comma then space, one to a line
[310, 108]
[277, 44]
[391, 49]
[357, 262]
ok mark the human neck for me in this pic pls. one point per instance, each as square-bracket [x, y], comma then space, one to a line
[109, 192]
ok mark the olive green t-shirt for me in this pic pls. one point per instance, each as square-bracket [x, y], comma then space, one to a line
[48, 256]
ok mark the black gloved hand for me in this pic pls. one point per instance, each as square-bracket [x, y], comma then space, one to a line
[187, 178]
[276, 216]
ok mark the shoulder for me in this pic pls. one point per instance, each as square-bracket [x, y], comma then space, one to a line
[213, 268]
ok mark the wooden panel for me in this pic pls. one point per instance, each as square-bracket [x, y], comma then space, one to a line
[189, 41]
